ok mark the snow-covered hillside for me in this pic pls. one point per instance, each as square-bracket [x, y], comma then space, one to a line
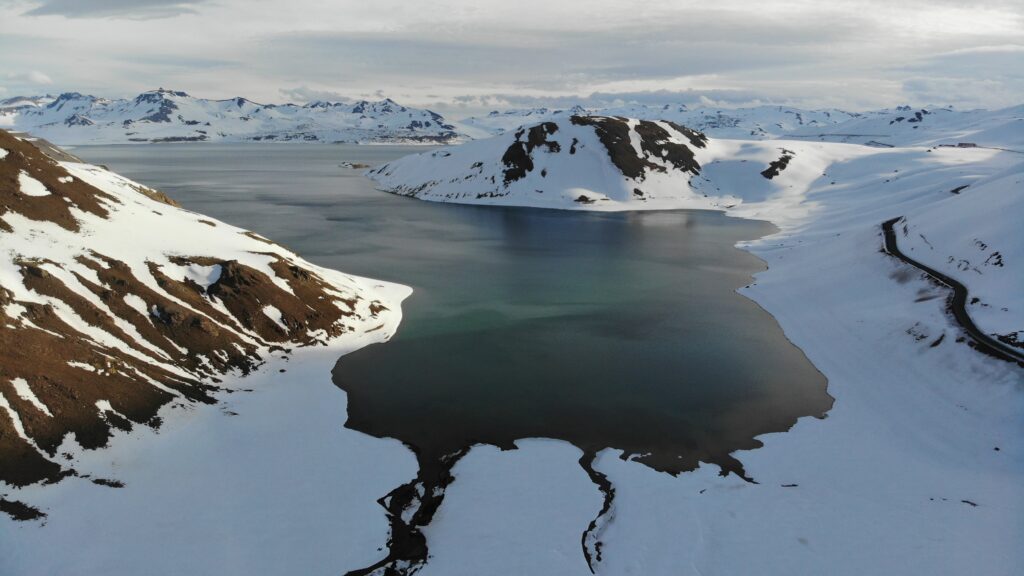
[906, 126]
[171, 116]
[115, 303]
[609, 163]
[975, 235]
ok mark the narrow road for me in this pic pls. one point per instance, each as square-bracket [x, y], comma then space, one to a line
[958, 305]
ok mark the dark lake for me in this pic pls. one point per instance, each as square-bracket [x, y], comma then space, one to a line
[607, 330]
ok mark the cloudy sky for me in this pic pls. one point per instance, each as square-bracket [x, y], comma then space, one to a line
[475, 55]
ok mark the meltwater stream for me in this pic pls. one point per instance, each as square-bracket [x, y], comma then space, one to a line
[619, 331]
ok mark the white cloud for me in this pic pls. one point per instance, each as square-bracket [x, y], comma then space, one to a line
[31, 77]
[855, 53]
[37, 77]
[306, 94]
[1001, 49]
[129, 9]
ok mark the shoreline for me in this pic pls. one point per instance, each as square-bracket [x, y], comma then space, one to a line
[241, 455]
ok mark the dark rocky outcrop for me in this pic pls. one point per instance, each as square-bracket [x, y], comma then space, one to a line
[518, 158]
[777, 166]
[655, 142]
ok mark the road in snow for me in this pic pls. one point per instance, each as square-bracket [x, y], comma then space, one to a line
[958, 302]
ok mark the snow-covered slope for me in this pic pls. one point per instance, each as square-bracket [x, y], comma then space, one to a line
[906, 126]
[975, 235]
[609, 163]
[115, 302]
[171, 116]
[748, 123]
[579, 162]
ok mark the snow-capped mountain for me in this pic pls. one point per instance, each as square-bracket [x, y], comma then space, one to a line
[115, 302]
[173, 116]
[748, 123]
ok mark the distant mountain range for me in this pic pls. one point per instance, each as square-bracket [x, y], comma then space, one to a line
[756, 122]
[172, 116]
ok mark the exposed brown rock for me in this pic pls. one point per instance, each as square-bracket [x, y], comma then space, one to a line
[178, 346]
[23, 156]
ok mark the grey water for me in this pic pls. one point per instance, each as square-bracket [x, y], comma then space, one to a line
[617, 330]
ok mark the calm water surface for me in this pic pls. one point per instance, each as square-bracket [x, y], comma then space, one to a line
[606, 330]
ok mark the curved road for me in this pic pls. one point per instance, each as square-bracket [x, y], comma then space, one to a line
[958, 305]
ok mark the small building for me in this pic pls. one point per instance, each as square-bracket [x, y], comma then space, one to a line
[966, 145]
